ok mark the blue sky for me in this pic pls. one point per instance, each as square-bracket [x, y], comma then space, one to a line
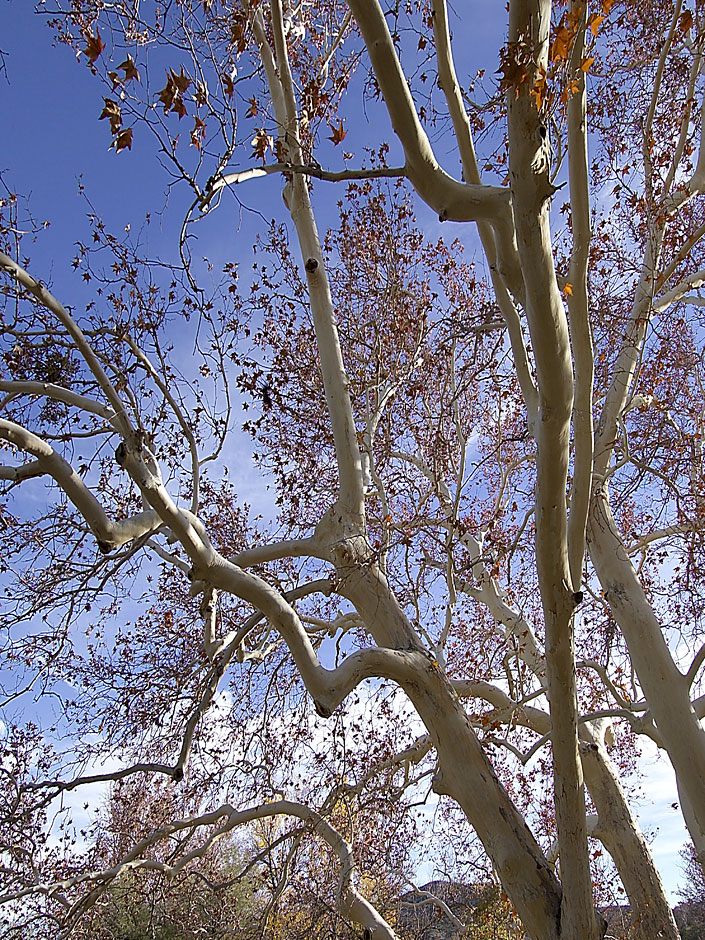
[52, 139]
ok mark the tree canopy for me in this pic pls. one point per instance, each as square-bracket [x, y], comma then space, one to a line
[465, 346]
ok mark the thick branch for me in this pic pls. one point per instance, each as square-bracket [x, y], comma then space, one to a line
[451, 199]
[672, 296]
[580, 332]
[296, 197]
[58, 393]
[108, 533]
[305, 169]
[46, 299]
[529, 167]
[499, 246]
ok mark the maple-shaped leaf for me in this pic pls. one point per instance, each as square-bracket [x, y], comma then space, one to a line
[514, 75]
[167, 95]
[228, 85]
[198, 132]
[182, 81]
[685, 22]
[261, 143]
[94, 46]
[594, 22]
[607, 6]
[586, 63]
[253, 110]
[170, 95]
[540, 91]
[338, 134]
[515, 60]
[113, 113]
[130, 69]
[562, 42]
[123, 141]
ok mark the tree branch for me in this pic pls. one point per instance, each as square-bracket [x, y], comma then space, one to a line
[109, 534]
[452, 200]
[46, 299]
[580, 332]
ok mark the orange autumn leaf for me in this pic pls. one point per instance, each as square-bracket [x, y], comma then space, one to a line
[562, 42]
[540, 89]
[338, 134]
[594, 22]
[94, 46]
[685, 23]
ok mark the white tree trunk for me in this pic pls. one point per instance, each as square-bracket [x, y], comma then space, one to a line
[531, 193]
[464, 772]
[652, 917]
[665, 687]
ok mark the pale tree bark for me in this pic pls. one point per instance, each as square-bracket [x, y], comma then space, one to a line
[631, 853]
[465, 772]
[614, 826]
[498, 243]
[515, 234]
[666, 689]
[297, 200]
[619, 832]
[529, 166]
[578, 309]
[531, 191]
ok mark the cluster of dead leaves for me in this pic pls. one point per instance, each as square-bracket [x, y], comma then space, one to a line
[172, 94]
[519, 68]
[112, 110]
[172, 98]
[261, 143]
[122, 135]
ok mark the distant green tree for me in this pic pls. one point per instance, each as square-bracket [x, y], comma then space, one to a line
[210, 898]
[145, 905]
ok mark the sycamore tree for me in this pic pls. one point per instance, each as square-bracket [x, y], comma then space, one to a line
[484, 580]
